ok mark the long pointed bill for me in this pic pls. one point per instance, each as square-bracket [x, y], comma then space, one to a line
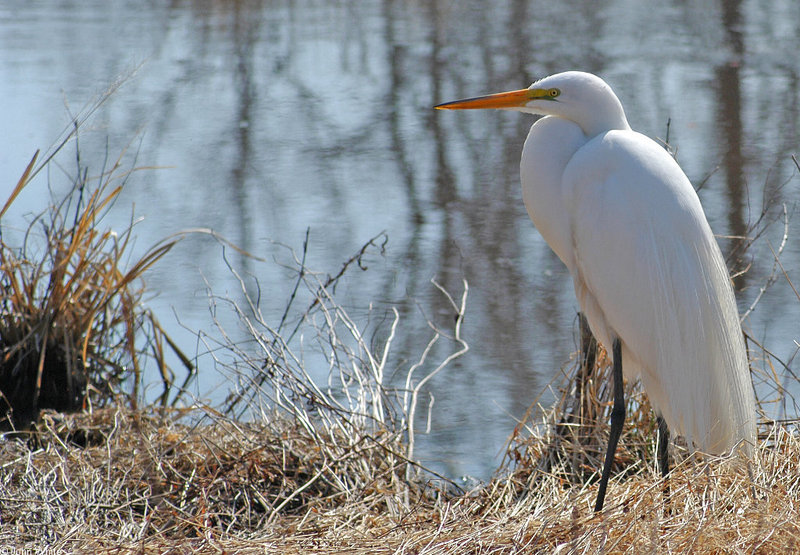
[512, 99]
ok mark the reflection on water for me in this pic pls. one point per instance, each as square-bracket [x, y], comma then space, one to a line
[273, 117]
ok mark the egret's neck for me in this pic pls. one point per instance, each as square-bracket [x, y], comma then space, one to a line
[603, 116]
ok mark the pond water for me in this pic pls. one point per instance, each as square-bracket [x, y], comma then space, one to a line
[268, 119]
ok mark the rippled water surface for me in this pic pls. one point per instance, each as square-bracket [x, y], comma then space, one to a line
[270, 118]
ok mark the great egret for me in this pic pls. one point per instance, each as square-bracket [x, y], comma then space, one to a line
[648, 274]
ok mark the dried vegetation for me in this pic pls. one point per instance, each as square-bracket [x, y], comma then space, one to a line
[71, 316]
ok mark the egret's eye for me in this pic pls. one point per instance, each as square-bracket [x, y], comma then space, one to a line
[554, 93]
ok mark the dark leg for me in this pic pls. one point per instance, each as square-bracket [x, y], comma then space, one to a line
[588, 356]
[662, 454]
[588, 347]
[663, 442]
[617, 420]
[578, 411]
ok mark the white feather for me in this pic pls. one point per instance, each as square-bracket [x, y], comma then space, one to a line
[621, 214]
[649, 271]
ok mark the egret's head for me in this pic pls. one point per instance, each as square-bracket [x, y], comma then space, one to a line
[574, 95]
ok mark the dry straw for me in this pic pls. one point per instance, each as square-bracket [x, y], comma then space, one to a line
[71, 317]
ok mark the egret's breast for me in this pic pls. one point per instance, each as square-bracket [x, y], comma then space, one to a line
[550, 145]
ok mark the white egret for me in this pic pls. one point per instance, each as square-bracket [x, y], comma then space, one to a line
[648, 274]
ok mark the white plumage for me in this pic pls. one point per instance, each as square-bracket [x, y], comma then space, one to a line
[621, 214]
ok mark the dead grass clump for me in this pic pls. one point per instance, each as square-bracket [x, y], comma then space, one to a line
[327, 373]
[150, 478]
[71, 318]
[570, 440]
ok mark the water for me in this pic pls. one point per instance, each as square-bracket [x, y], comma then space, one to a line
[270, 118]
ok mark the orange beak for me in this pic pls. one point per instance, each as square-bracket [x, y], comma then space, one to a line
[511, 99]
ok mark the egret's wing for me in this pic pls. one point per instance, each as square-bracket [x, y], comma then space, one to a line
[649, 271]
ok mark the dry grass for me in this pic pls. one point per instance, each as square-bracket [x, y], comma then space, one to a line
[71, 315]
[125, 481]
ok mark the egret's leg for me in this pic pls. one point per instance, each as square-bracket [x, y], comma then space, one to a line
[588, 357]
[663, 442]
[663, 455]
[617, 420]
[588, 347]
